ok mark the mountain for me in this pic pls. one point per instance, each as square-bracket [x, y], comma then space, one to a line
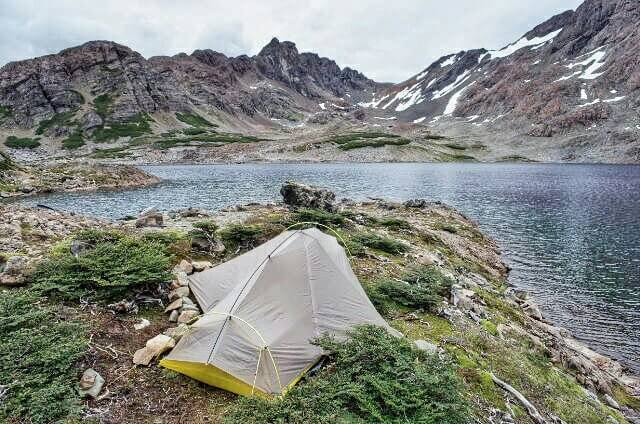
[567, 90]
[574, 79]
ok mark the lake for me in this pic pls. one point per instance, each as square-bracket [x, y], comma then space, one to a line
[571, 233]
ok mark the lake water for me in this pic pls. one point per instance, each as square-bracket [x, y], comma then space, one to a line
[571, 233]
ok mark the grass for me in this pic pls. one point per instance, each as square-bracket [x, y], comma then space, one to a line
[393, 223]
[115, 266]
[136, 127]
[423, 287]
[38, 357]
[373, 377]
[64, 119]
[381, 243]
[113, 153]
[22, 143]
[221, 138]
[194, 120]
[102, 105]
[360, 139]
[74, 141]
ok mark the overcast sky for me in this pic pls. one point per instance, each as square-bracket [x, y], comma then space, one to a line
[387, 40]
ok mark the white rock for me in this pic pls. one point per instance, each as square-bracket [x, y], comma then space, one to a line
[154, 348]
[91, 383]
[427, 346]
[144, 323]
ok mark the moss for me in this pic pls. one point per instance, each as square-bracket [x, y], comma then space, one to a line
[102, 105]
[113, 153]
[22, 143]
[490, 327]
[135, 127]
[194, 120]
[38, 357]
[64, 119]
[74, 141]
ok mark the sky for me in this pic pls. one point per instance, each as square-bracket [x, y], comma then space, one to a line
[386, 40]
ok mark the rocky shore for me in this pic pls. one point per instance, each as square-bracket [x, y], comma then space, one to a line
[514, 365]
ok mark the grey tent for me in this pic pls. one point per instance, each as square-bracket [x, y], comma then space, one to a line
[261, 309]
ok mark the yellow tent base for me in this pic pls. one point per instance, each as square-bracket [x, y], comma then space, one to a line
[213, 376]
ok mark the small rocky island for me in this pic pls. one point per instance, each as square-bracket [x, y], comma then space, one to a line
[88, 306]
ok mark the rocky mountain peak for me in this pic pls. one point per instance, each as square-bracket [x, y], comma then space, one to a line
[276, 48]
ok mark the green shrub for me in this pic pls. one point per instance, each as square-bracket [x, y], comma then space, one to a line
[113, 153]
[360, 135]
[394, 223]
[373, 143]
[6, 163]
[194, 131]
[374, 377]
[5, 112]
[58, 120]
[210, 137]
[115, 265]
[378, 242]
[318, 215]
[137, 126]
[194, 120]
[22, 143]
[102, 105]
[423, 287]
[240, 235]
[74, 141]
[38, 357]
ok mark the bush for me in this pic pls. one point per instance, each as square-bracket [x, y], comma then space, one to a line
[194, 120]
[394, 223]
[318, 215]
[58, 120]
[373, 377]
[114, 266]
[6, 163]
[243, 236]
[74, 141]
[102, 104]
[137, 126]
[423, 287]
[379, 142]
[377, 242]
[38, 354]
[22, 143]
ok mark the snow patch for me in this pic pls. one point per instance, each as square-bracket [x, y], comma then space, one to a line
[422, 75]
[453, 59]
[568, 76]
[595, 102]
[373, 103]
[419, 120]
[482, 56]
[453, 101]
[615, 99]
[393, 118]
[472, 118]
[593, 63]
[322, 106]
[449, 88]
[534, 43]
[536, 62]
[583, 94]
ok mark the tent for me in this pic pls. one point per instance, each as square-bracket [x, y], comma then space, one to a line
[261, 309]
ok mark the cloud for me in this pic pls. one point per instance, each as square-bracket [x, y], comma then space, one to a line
[388, 41]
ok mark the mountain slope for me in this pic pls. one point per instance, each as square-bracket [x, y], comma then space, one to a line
[576, 78]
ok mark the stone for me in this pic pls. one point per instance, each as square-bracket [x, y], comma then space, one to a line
[144, 323]
[199, 266]
[91, 383]
[186, 316]
[178, 293]
[531, 309]
[78, 248]
[90, 121]
[185, 266]
[416, 203]
[14, 270]
[124, 307]
[193, 213]
[426, 346]
[153, 348]
[181, 278]
[190, 308]
[297, 195]
[176, 304]
[173, 317]
[154, 220]
[176, 333]
[611, 401]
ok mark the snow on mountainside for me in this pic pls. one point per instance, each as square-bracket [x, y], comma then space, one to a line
[576, 76]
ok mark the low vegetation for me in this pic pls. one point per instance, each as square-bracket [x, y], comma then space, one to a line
[22, 143]
[357, 140]
[194, 120]
[38, 360]
[320, 216]
[113, 153]
[64, 119]
[74, 141]
[6, 163]
[102, 105]
[110, 266]
[373, 377]
[137, 126]
[242, 236]
[5, 112]
[378, 242]
[208, 137]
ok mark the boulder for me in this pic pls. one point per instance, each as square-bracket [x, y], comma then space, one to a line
[185, 266]
[176, 304]
[193, 213]
[91, 383]
[173, 317]
[427, 346]
[154, 348]
[124, 307]
[144, 323]
[181, 278]
[298, 195]
[186, 316]
[199, 266]
[179, 292]
[13, 271]
[90, 121]
[416, 203]
[611, 401]
[176, 333]
[150, 218]
[79, 248]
